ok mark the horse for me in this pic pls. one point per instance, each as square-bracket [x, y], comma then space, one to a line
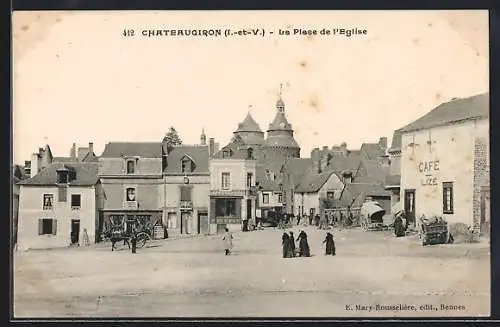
[116, 237]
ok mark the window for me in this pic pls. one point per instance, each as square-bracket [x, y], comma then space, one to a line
[130, 166]
[47, 226]
[330, 195]
[265, 198]
[280, 198]
[62, 193]
[226, 180]
[448, 197]
[186, 165]
[48, 201]
[249, 180]
[249, 153]
[62, 177]
[226, 153]
[76, 201]
[226, 207]
[130, 194]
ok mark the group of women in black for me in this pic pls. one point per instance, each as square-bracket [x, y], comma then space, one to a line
[289, 249]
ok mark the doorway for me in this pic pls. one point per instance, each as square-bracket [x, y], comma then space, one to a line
[203, 223]
[485, 211]
[75, 231]
[409, 206]
[186, 222]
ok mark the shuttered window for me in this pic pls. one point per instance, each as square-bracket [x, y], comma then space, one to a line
[185, 194]
[448, 198]
[47, 226]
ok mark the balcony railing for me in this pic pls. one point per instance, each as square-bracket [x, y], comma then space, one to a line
[186, 204]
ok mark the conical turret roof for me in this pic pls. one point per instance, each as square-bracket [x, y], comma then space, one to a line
[248, 125]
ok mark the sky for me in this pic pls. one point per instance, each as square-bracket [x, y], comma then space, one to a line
[77, 79]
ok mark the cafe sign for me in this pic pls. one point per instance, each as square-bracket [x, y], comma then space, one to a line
[428, 170]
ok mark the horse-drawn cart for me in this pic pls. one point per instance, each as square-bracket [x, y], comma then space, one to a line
[372, 216]
[118, 228]
[434, 230]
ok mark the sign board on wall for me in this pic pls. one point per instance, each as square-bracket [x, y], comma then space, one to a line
[224, 220]
[429, 170]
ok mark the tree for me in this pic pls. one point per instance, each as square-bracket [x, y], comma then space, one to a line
[172, 139]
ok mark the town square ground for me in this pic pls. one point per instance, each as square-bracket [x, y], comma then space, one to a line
[373, 274]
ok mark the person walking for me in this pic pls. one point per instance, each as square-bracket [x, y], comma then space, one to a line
[298, 219]
[399, 227]
[291, 239]
[285, 244]
[133, 240]
[330, 244]
[228, 241]
[304, 250]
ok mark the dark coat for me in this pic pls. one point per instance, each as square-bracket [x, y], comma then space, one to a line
[399, 227]
[330, 244]
[304, 250]
[285, 243]
[291, 239]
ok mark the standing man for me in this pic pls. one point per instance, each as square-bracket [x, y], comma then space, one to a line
[228, 241]
[133, 240]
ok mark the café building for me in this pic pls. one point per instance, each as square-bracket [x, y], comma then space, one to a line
[445, 166]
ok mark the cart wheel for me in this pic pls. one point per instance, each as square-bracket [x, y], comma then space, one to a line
[142, 238]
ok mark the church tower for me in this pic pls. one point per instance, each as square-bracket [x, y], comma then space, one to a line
[280, 134]
[203, 137]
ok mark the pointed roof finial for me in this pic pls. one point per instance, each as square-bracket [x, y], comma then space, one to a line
[281, 89]
[250, 108]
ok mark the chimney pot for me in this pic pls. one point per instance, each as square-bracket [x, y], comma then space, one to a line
[91, 147]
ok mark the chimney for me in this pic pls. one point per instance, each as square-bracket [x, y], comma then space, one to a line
[211, 147]
[316, 158]
[382, 142]
[73, 152]
[35, 164]
[91, 148]
[324, 159]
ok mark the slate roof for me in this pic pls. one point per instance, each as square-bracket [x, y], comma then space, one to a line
[357, 192]
[298, 168]
[341, 163]
[373, 173]
[62, 159]
[86, 175]
[393, 180]
[280, 123]
[396, 141]
[281, 140]
[198, 153]
[312, 183]
[458, 110]
[372, 150]
[140, 149]
[248, 125]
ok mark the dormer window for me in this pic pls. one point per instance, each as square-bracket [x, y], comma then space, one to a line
[249, 153]
[63, 176]
[187, 165]
[226, 153]
[130, 166]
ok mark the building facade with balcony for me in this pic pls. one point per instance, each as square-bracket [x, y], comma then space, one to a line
[232, 190]
[186, 186]
[131, 177]
[59, 206]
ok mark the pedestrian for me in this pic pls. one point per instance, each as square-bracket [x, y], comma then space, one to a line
[133, 240]
[291, 239]
[86, 240]
[399, 227]
[330, 244]
[228, 241]
[304, 250]
[310, 219]
[285, 244]
[298, 219]
[316, 220]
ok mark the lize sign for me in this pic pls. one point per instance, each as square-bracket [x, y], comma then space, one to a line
[429, 169]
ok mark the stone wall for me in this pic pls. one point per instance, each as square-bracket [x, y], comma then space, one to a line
[481, 177]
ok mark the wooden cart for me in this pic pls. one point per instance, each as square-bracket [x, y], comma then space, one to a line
[433, 231]
[372, 216]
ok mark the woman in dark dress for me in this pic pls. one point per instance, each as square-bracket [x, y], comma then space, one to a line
[330, 244]
[399, 227]
[304, 250]
[291, 239]
[285, 243]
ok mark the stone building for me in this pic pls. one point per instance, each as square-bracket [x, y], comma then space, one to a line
[186, 186]
[58, 205]
[393, 180]
[445, 163]
[132, 181]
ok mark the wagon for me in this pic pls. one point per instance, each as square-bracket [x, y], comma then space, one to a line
[372, 216]
[433, 230]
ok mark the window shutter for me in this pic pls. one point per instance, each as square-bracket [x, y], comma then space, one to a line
[444, 198]
[54, 226]
[237, 210]
[40, 226]
[450, 189]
